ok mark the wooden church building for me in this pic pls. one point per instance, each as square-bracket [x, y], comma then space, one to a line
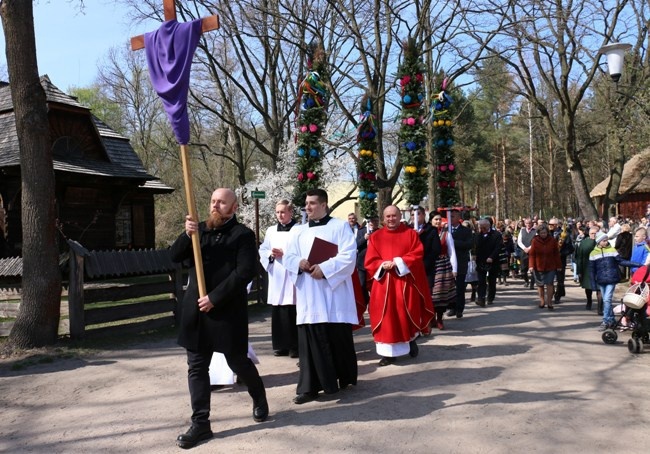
[104, 196]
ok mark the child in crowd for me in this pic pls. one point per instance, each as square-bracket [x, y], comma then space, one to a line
[604, 262]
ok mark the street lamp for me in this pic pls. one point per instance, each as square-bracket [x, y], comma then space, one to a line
[615, 53]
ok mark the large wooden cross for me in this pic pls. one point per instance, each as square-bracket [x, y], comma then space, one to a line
[137, 42]
[169, 8]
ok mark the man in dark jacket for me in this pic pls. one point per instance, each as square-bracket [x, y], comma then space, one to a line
[217, 321]
[363, 236]
[488, 246]
[463, 242]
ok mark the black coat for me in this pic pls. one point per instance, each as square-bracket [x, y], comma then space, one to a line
[488, 246]
[463, 243]
[362, 247]
[229, 262]
[623, 244]
[432, 248]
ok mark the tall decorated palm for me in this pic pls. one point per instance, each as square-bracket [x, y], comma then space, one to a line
[412, 134]
[313, 98]
[443, 134]
[367, 164]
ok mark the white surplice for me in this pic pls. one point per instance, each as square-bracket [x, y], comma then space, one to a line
[281, 291]
[329, 300]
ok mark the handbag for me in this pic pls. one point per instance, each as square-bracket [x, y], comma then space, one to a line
[637, 295]
[472, 275]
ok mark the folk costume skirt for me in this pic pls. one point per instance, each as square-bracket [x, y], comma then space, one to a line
[443, 293]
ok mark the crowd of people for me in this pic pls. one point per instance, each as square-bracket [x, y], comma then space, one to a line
[324, 274]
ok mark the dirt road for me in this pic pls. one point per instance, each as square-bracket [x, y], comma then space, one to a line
[509, 378]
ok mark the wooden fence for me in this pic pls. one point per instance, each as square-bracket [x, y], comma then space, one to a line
[101, 287]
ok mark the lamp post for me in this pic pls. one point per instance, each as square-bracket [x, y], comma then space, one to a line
[615, 53]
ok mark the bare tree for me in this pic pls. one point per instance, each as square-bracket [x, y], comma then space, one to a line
[249, 70]
[628, 103]
[38, 320]
[552, 46]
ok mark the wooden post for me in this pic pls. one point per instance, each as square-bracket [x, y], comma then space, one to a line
[191, 208]
[76, 296]
[257, 239]
[137, 42]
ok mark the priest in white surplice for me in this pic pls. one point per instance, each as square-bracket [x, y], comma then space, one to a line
[325, 304]
[281, 293]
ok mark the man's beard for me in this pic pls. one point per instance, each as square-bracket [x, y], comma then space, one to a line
[216, 220]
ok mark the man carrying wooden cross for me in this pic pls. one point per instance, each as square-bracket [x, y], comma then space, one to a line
[214, 316]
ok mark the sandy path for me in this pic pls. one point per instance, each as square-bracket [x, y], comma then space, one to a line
[507, 378]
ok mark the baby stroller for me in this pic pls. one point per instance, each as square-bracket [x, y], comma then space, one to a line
[634, 314]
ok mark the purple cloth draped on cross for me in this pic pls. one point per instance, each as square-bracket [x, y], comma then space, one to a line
[170, 50]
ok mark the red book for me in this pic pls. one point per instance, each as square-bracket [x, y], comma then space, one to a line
[322, 250]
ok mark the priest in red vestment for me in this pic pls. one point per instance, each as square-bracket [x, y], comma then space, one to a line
[400, 303]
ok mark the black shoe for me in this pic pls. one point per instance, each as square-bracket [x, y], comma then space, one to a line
[588, 307]
[195, 434]
[451, 312]
[480, 302]
[414, 349]
[280, 352]
[385, 361]
[459, 315]
[261, 411]
[490, 302]
[293, 353]
[216, 387]
[304, 398]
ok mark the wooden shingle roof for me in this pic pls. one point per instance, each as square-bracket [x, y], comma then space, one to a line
[123, 161]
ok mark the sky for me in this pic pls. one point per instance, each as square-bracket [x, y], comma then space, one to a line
[70, 44]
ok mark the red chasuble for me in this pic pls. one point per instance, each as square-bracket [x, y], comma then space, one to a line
[400, 306]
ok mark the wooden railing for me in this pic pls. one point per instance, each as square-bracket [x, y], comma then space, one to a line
[107, 291]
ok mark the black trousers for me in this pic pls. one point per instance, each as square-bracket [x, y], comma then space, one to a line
[198, 379]
[461, 286]
[284, 333]
[524, 266]
[560, 276]
[328, 360]
[487, 282]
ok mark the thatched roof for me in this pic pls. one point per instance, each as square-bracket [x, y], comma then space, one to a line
[636, 177]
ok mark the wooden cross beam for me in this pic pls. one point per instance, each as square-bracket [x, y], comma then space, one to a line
[207, 24]
[169, 8]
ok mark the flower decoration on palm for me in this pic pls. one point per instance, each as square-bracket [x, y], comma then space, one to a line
[412, 134]
[367, 164]
[443, 141]
[313, 98]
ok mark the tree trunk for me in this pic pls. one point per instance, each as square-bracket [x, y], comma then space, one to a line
[551, 179]
[587, 209]
[504, 179]
[615, 176]
[38, 320]
[495, 183]
[531, 169]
